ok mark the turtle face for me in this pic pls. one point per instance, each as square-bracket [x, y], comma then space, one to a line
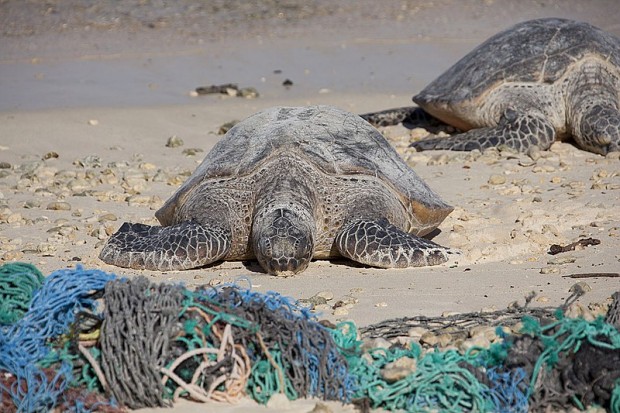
[283, 241]
[600, 130]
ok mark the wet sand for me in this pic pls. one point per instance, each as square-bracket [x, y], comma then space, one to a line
[85, 115]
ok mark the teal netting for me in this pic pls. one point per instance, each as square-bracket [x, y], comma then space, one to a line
[88, 337]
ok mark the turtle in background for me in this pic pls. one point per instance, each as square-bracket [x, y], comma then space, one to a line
[536, 82]
[286, 185]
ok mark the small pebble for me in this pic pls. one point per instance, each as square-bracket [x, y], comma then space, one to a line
[90, 161]
[226, 127]
[444, 339]
[429, 338]
[192, 151]
[93, 122]
[449, 313]
[550, 229]
[12, 255]
[107, 217]
[497, 179]
[327, 295]
[347, 300]
[314, 301]
[46, 249]
[98, 233]
[321, 408]
[398, 369]
[137, 200]
[478, 341]
[561, 260]
[147, 166]
[378, 342]
[485, 331]
[174, 142]
[577, 310]
[534, 152]
[50, 155]
[613, 155]
[550, 270]
[14, 218]
[341, 311]
[416, 332]
[278, 401]
[418, 133]
[32, 203]
[248, 93]
[59, 206]
[442, 159]
[581, 287]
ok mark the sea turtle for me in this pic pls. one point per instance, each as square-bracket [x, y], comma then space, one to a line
[286, 185]
[536, 82]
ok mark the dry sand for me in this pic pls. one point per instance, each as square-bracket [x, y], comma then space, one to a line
[86, 111]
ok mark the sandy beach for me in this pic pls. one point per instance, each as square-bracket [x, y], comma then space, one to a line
[90, 97]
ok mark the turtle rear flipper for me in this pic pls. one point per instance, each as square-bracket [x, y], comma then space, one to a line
[519, 131]
[182, 246]
[381, 244]
[409, 116]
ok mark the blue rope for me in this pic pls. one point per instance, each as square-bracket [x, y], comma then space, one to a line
[440, 380]
[24, 344]
[319, 357]
[508, 390]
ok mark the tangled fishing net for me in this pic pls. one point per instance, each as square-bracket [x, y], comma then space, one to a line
[83, 340]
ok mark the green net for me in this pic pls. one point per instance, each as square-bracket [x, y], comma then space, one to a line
[615, 398]
[435, 381]
[18, 282]
[149, 344]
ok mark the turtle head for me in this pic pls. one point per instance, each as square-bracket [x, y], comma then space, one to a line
[600, 130]
[283, 239]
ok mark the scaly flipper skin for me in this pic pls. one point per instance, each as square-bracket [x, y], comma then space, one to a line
[409, 115]
[178, 247]
[515, 130]
[381, 244]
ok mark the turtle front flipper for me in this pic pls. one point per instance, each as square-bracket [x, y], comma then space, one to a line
[515, 130]
[381, 244]
[177, 247]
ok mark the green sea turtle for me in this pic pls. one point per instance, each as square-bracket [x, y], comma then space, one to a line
[536, 82]
[286, 185]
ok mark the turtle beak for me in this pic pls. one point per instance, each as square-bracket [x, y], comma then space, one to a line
[284, 266]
